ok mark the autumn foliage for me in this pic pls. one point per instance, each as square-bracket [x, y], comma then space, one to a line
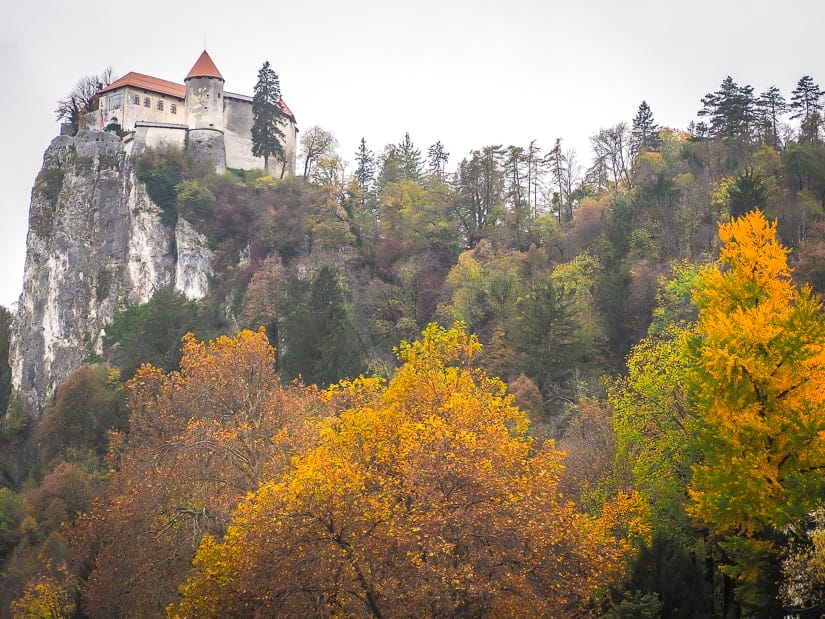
[757, 372]
[424, 496]
[200, 439]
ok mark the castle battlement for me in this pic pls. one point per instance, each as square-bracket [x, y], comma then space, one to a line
[197, 115]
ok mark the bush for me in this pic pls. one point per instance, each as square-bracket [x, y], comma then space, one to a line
[161, 170]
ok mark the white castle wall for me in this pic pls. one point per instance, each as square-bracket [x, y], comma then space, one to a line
[129, 112]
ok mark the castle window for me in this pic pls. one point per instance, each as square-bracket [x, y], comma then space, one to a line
[147, 102]
[173, 108]
[160, 105]
[135, 99]
[115, 101]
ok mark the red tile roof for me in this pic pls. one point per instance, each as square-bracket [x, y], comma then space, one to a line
[204, 67]
[147, 82]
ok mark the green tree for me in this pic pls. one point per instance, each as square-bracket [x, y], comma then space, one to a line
[644, 134]
[364, 174]
[267, 116]
[320, 344]
[730, 111]
[771, 105]
[150, 333]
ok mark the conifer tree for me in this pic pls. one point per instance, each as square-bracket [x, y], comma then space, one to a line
[806, 98]
[410, 159]
[365, 170]
[770, 106]
[644, 134]
[806, 103]
[267, 116]
[731, 111]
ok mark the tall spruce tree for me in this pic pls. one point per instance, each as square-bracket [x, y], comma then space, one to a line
[364, 170]
[267, 116]
[644, 135]
[410, 159]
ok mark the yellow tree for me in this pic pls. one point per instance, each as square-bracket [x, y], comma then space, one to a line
[200, 439]
[757, 374]
[424, 496]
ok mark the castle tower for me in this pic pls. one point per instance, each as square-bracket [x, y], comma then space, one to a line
[204, 112]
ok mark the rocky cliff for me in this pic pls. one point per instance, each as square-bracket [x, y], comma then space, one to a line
[96, 242]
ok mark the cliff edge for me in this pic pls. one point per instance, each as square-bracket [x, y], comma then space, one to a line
[96, 243]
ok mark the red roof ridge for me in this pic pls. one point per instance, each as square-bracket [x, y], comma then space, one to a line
[148, 82]
[204, 67]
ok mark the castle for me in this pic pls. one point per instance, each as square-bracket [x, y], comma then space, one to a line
[197, 115]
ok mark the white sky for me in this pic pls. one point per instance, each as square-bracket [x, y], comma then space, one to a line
[466, 73]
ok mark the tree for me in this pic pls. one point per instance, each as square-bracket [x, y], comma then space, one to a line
[423, 496]
[267, 116]
[732, 114]
[771, 105]
[756, 370]
[480, 190]
[437, 157]
[149, 333]
[321, 345]
[316, 143]
[364, 170]
[644, 134]
[806, 103]
[612, 147]
[806, 98]
[201, 438]
[410, 160]
[83, 98]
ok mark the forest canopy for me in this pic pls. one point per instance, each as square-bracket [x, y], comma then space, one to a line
[518, 385]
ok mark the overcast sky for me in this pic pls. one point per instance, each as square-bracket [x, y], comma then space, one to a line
[468, 73]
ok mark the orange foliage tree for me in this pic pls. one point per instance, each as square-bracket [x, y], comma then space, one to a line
[424, 496]
[756, 370]
[200, 439]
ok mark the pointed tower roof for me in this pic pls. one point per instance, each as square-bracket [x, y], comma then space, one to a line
[204, 67]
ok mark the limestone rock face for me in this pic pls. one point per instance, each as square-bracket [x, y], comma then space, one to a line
[96, 243]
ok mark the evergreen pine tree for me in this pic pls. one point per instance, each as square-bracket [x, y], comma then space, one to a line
[806, 103]
[731, 111]
[770, 106]
[645, 132]
[806, 98]
[267, 116]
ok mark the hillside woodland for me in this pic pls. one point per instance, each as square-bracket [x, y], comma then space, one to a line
[516, 385]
